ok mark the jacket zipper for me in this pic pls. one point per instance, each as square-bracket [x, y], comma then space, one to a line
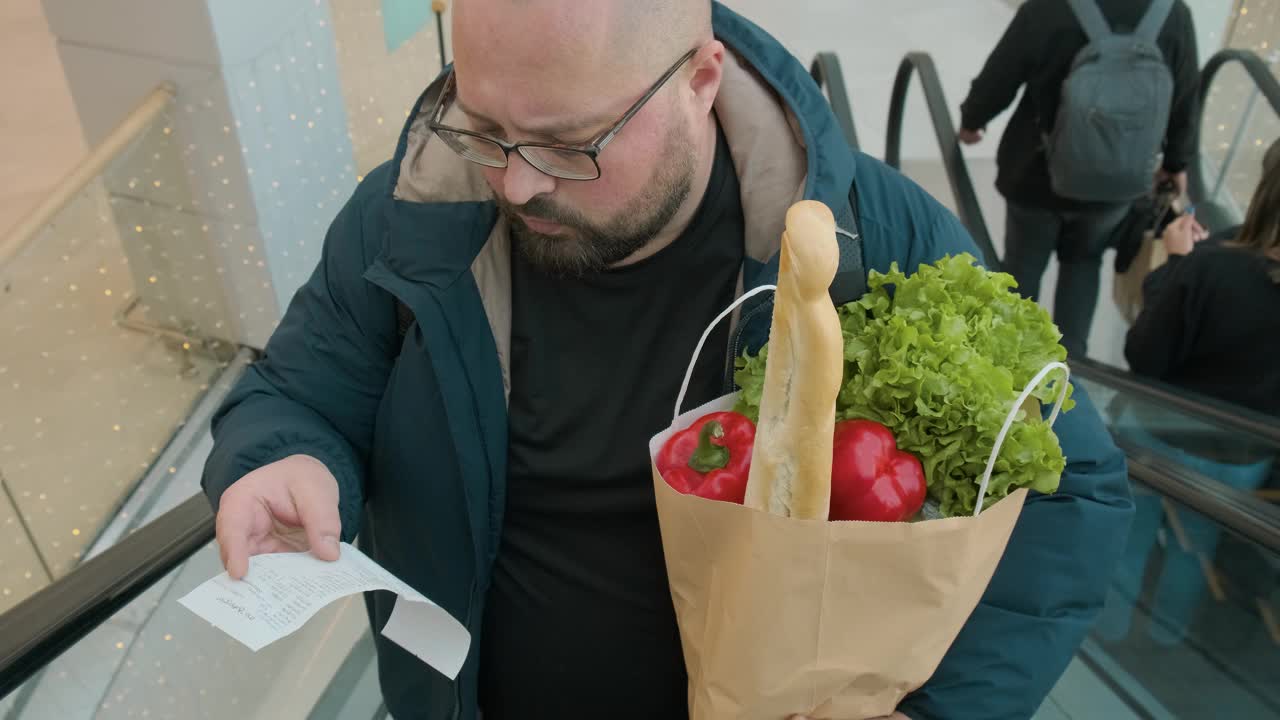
[471, 593]
[743, 321]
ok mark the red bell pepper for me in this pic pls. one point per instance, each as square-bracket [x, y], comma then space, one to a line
[711, 458]
[871, 479]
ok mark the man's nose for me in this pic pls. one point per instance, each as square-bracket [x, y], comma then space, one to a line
[521, 182]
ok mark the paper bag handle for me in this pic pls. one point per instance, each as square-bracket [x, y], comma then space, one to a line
[1013, 413]
[688, 374]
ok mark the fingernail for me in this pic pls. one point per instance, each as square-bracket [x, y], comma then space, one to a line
[329, 540]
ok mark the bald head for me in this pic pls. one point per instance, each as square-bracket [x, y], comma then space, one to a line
[618, 35]
[651, 32]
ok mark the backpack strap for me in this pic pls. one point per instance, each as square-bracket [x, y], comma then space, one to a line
[850, 282]
[1090, 17]
[1151, 24]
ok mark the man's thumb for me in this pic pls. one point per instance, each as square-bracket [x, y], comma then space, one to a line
[325, 547]
[319, 515]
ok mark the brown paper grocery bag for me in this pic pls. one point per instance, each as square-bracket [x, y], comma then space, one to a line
[834, 620]
[1126, 290]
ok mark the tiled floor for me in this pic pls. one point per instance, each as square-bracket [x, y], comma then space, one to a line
[85, 405]
[871, 37]
[154, 659]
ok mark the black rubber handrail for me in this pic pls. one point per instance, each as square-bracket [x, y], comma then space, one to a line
[826, 71]
[49, 622]
[1237, 511]
[967, 207]
[1210, 410]
[1258, 72]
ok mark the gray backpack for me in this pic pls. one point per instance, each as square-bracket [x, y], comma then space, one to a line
[1113, 112]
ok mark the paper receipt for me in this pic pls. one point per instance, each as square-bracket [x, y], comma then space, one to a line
[282, 591]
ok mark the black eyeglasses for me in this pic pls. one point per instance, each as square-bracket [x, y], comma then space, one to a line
[567, 162]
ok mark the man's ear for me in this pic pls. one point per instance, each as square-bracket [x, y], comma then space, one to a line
[706, 71]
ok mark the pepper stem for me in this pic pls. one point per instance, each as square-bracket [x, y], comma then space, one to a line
[709, 456]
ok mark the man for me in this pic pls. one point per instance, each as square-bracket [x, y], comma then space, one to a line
[1037, 51]
[566, 212]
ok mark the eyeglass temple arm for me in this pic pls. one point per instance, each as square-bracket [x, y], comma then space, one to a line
[617, 127]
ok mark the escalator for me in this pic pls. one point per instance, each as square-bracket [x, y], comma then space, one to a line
[1191, 628]
[1208, 192]
[1192, 623]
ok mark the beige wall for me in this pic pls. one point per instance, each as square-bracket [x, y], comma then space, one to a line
[40, 138]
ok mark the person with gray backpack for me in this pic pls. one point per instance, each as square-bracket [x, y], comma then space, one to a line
[1109, 111]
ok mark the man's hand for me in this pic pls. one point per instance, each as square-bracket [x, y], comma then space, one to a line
[290, 505]
[1181, 236]
[1179, 180]
[895, 716]
[969, 137]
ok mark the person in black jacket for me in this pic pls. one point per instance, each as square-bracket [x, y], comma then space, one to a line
[1037, 51]
[1210, 323]
[1211, 318]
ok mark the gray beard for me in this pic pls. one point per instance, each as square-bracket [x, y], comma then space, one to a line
[586, 248]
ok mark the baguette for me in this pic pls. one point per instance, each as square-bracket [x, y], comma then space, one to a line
[791, 461]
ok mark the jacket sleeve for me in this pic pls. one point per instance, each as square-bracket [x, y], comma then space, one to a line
[1054, 576]
[1180, 139]
[1005, 71]
[316, 389]
[1157, 339]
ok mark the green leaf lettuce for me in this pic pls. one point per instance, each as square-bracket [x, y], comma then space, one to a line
[940, 360]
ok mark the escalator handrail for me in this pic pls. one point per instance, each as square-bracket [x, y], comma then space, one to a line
[1258, 71]
[826, 71]
[1237, 511]
[967, 207]
[1224, 415]
[43, 626]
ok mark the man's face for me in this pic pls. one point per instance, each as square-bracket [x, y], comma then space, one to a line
[533, 72]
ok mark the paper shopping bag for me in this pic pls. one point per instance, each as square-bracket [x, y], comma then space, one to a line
[1126, 291]
[831, 619]
[1148, 255]
[828, 619]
